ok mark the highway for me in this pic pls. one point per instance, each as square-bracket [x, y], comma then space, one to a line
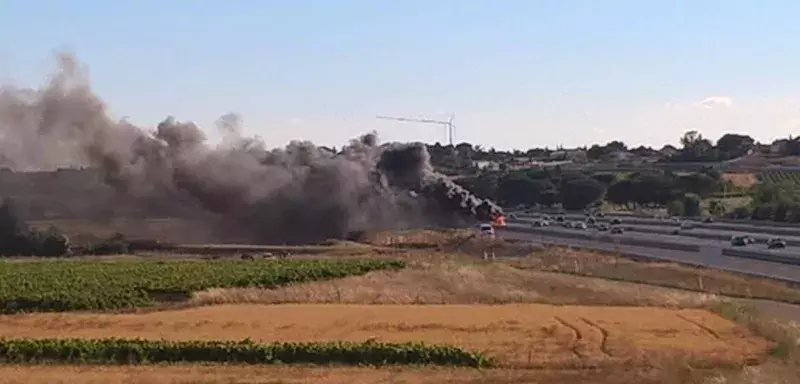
[745, 227]
[667, 247]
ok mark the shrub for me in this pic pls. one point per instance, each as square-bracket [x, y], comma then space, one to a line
[17, 240]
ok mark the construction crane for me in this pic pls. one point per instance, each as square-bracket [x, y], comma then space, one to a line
[449, 126]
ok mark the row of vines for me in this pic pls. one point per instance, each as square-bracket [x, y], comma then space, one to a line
[137, 351]
[53, 286]
[780, 177]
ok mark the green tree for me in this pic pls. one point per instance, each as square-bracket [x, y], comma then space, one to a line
[549, 197]
[697, 183]
[691, 205]
[620, 192]
[675, 208]
[733, 145]
[695, 148]
[653, 188]
[519, 189]
[579, 193]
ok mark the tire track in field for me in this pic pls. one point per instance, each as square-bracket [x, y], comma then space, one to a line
[603, 333]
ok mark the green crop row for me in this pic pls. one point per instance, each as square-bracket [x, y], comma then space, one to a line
[776, 177]
[136, 351]
[51, 286]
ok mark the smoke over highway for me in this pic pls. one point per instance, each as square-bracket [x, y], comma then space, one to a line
[295, 194]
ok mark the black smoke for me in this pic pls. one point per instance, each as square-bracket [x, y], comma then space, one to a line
[299, 193]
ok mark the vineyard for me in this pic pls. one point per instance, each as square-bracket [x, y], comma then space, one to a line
[52, 286]
[135, 351]
[780, 177]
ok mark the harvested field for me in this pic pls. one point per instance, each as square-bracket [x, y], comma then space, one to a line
[741, 180]
[458, 282]
[521, 335]
[313, 375]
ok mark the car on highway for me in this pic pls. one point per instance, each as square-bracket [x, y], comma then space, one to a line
[616, 221]
[616, 230]
[708, 219]
[602, 227]
[567, 224]
[580, 225]
[687, 225]
[591, 220]
[740, 241]
[776, 243]
[540, 223]
[486, 229]
[560, 219]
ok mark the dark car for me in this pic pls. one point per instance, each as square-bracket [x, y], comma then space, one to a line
[602, 227]
[740, 241]
[591, 220]
[560, 219]
[616, 230]
[616, 221]
[708, 219]
[776, 243]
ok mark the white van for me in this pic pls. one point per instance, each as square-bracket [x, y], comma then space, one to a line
[486, 229]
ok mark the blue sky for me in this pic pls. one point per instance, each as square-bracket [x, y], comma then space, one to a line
[515, 73]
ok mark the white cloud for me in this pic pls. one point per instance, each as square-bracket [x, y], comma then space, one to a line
[714, 101]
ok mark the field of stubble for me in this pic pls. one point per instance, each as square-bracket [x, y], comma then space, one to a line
[537, 323]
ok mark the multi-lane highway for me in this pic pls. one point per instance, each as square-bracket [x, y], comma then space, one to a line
[707, 244]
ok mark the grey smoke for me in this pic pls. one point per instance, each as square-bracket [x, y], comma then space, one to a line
[294, 194]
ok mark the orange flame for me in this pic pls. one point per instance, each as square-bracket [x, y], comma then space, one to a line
[499, 221]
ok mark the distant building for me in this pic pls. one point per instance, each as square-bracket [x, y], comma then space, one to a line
[573, 155]
[619, 156]
[486, 165]
[778, 146]
[668, 151]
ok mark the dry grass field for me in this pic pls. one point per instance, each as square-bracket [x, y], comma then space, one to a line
[558, 311]
[519, 335]
[194, 374]
[741, 180]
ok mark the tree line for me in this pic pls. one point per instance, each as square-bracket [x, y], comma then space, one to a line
[573, 190]
[771, 201]
[694, 147]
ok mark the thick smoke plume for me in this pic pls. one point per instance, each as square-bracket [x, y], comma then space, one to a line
[295, 194]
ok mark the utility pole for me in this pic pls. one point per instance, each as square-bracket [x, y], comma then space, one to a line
[450, 128]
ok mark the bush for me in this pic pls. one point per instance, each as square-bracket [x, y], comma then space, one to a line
[114, 245]
[135, 351]
[675, 208]
[17, 240]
